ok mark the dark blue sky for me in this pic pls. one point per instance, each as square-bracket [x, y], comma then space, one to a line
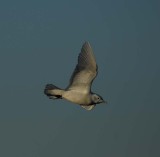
[39, 44]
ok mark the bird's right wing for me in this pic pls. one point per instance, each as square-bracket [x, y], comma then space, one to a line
[85, 71]
[88, 107]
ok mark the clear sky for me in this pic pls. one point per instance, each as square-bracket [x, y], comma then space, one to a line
[39, 44]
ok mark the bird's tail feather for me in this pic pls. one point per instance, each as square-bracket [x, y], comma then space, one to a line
[53, 92]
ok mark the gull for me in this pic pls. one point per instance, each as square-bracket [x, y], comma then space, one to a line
[79, 89]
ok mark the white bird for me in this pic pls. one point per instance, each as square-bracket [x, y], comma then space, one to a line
[79, 88]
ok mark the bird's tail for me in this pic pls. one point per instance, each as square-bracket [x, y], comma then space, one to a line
[53, 92]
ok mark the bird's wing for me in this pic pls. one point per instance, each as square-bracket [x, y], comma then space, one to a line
[85, 71]
[88, 107]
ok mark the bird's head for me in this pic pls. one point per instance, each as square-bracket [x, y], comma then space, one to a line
[97, 99]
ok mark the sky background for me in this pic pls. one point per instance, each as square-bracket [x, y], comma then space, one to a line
[39, 44]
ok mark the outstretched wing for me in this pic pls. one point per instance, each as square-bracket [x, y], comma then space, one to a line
[85, 71]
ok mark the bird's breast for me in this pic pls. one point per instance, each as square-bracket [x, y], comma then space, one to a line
[77, 97]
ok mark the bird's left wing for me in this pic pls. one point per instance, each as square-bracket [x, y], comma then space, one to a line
[85, 71]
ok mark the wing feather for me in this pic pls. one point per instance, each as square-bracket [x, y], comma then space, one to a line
[85, 71]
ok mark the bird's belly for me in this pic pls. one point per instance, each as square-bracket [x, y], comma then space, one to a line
[76, 97]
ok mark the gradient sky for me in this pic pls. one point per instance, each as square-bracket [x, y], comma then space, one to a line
[39, 44]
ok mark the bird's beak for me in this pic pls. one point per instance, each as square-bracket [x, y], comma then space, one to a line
[105, 102]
